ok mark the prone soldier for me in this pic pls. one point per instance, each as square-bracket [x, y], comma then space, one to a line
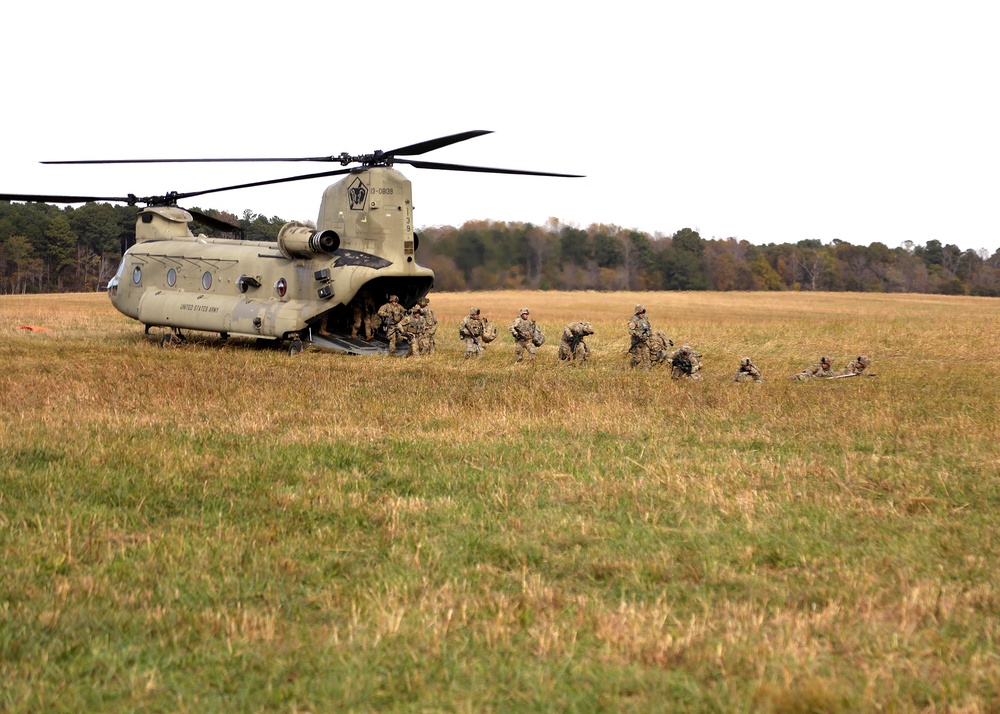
[747, 372]
[857, 367]
[823, 368]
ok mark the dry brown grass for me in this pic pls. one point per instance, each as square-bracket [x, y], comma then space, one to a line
[224, 527]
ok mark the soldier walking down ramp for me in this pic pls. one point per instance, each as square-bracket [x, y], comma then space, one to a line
[747, 372]
[430, 327]
[523, 332]
[823, 368]
[412, 326]
[572, 347]
[685, 363]
[471, 330]
[363, 315]
[392, 314]
[640, 331]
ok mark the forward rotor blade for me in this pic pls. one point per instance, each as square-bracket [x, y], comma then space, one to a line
[480, 169]
[302, 177]
[216, 223]
[424, 146]
[63, 199]
[191, 161]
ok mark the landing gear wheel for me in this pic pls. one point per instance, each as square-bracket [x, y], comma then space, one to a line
[294, 347]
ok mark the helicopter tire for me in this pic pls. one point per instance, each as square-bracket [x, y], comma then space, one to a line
[295, 347]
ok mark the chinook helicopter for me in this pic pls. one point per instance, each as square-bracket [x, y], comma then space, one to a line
[308, 287]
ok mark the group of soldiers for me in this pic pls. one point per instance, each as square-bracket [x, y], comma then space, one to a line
[477, 332]
[418, 326]
[649, 347]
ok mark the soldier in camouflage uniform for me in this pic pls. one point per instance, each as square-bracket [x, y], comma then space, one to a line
[363, 315]
[685, 363]
[412, 325]
[471, 330]
[640, 331]
[572, 348]
[747, 372]
[823, 368]
[430, 327]
[523, 332]
[659, 347]
[857, 367]
[392, 314]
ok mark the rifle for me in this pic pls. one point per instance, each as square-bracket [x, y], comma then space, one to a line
[853, 374]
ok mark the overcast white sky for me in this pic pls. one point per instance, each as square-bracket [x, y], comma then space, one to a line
[767, 121]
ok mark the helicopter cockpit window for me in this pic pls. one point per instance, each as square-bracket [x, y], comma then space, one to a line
[206, 280]
[171, 277]
[137, 275]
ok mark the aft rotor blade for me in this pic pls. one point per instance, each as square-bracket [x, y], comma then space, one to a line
[480, 169]
[424, 146]
[412, 150]
[302, 177]
[63, 199]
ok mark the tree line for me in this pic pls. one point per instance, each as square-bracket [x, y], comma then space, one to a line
[485, 255]
[44, 248]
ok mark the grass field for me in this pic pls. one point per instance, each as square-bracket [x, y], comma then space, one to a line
[222, 528]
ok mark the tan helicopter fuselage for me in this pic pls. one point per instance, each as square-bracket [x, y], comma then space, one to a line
[363, 239]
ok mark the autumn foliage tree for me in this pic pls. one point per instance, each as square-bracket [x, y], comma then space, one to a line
[45, 248]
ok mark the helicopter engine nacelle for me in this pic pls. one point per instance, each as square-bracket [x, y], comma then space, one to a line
[297, 240]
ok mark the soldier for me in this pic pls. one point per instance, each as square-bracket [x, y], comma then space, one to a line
[363, 314]
[572, 348]
[392, 314]
[640, 330]
[747, 372]
[471, 330]
[523, 331]
[857, 367]
[823, 368]
[685, 363]
[430, 327]
[659, 346]
[412, 325]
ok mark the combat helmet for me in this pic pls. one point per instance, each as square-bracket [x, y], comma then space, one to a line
[864, 360]
[422, 302]
[473, 310]
[639, 309]
[745, 362]
[524, 311]
[393, 298]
